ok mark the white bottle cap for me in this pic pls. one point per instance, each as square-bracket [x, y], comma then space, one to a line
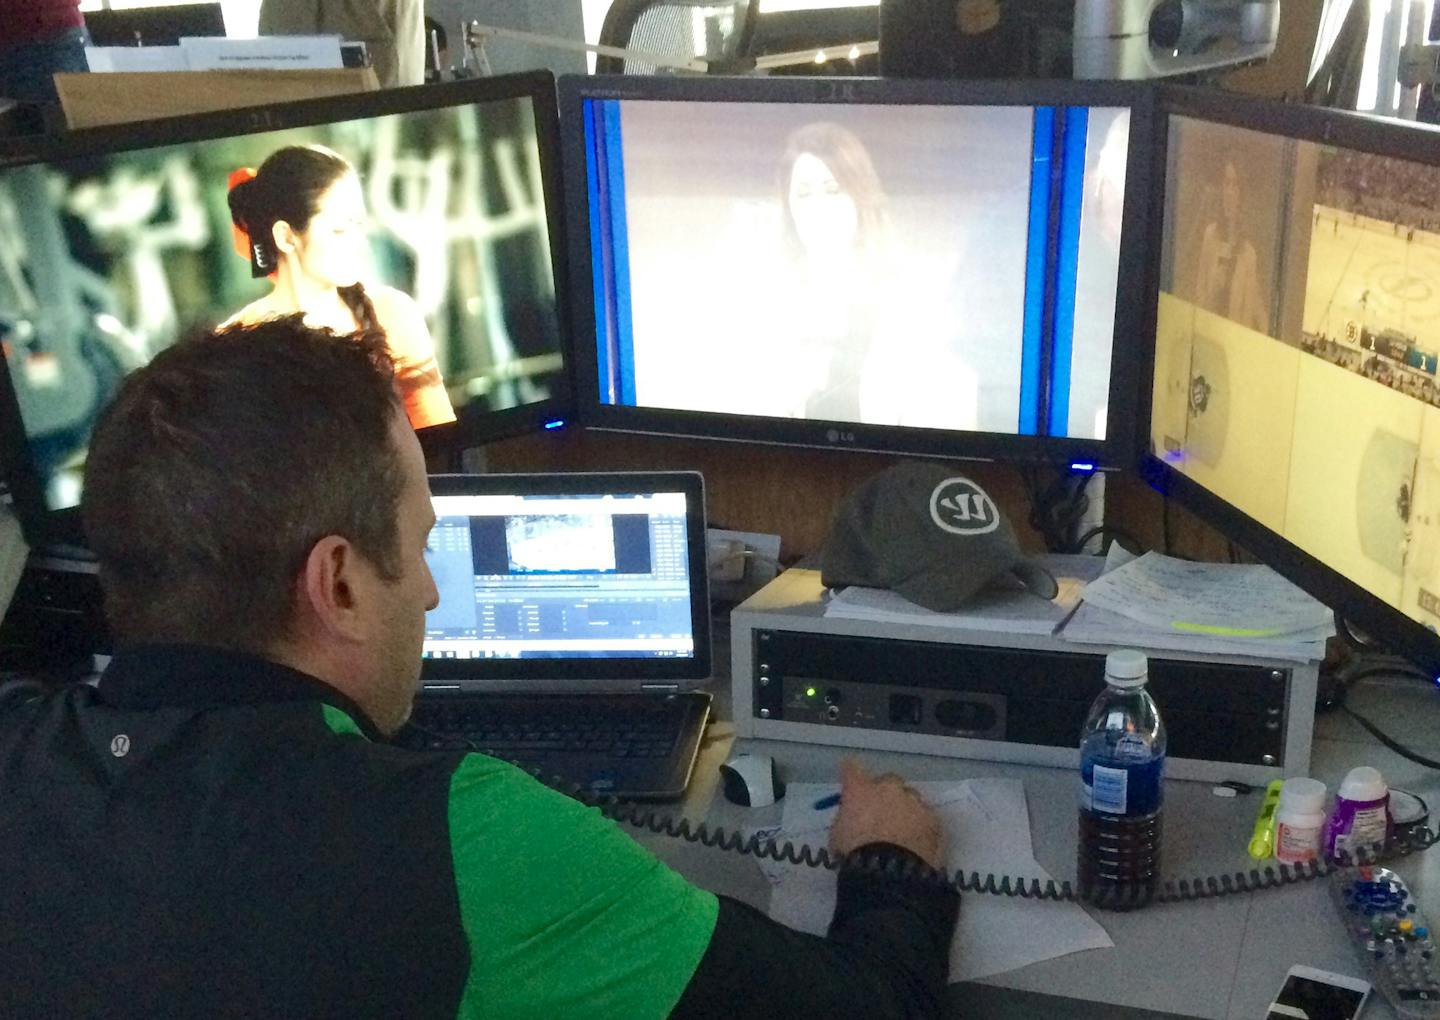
[1125, 667]
[1303, 796]
[1363, 783]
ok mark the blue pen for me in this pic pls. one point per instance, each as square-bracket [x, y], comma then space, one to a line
[824, 803]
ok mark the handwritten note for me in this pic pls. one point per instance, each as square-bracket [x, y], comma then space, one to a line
[1230, 600]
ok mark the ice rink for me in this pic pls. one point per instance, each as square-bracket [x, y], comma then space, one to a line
[1365, 271]
[1343, 466]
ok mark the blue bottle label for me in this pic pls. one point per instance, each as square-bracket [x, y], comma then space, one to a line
[1109, 788]
[1119, 787]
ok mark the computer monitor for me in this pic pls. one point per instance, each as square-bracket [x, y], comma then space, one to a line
[116, 243]
[1294, 399]
[155, 26]
[919, 267]
[568, 581]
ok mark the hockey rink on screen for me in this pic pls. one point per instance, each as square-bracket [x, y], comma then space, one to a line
[1364, 271]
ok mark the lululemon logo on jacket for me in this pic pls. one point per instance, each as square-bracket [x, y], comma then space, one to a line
[120, 745]
[961, 507]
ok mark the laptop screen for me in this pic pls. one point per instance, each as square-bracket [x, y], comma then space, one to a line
[568, 577]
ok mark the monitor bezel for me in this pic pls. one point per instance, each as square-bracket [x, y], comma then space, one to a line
[1116, 452]
[1416, 143]
[44, 526]
[574, 674]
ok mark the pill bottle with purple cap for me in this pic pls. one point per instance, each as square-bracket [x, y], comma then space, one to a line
[1361, 818]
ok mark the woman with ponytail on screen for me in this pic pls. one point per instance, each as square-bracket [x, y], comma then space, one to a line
[301, 219]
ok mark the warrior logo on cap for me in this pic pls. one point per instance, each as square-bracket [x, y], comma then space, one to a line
[961, 507]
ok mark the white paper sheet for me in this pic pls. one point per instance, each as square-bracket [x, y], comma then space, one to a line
[987, 824]
[1232, 600]
[1092, 625]
[268, 53]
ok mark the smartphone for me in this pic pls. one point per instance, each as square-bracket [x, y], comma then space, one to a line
[1310, 994]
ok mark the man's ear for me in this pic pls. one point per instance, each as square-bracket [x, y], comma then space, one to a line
[284, 237]
[328, 586]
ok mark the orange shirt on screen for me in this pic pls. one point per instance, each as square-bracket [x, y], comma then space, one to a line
[417, 374]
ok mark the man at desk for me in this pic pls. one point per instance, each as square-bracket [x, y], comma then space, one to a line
[218, 828]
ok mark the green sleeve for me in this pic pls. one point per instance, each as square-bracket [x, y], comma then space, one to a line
[565, 914]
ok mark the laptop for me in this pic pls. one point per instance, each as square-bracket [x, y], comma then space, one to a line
[573, 630]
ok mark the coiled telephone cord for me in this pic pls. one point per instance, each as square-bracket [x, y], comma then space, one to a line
[1113, 898]
[1107, 897]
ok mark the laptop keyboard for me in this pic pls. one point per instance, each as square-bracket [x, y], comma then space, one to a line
[618, 727]
[629, 745]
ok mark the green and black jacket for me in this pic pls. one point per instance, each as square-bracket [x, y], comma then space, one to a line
[208, 834]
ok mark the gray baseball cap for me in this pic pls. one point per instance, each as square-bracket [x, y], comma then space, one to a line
[926, 533]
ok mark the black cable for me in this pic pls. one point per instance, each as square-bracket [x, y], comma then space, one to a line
[1165, 525]
[1038, 519]
[1347, 682]
[1419, 820]
[1364, 645]
[17, 690]
[1057, 509]
[1335, 683]
[1108, 898]
[1388, 741]
[1398, 671]
[1117, 535]
[1347, 633]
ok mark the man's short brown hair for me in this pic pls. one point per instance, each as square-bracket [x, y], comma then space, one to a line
[219, 466]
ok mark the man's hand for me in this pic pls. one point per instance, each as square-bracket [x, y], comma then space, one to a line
[882, 809]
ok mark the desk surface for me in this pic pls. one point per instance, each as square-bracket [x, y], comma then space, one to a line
[1214, 959]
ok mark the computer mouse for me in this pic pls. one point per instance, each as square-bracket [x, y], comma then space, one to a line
[750, 780]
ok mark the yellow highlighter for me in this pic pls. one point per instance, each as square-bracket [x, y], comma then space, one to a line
[1262, 840]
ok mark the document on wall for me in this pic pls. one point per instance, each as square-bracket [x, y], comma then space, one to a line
[1229, 600]
[267, 53]
[987, 828]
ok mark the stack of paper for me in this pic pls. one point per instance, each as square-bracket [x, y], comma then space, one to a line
[987, 827]
[1157, 601]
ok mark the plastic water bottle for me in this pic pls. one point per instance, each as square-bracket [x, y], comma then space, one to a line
[1122, 774]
